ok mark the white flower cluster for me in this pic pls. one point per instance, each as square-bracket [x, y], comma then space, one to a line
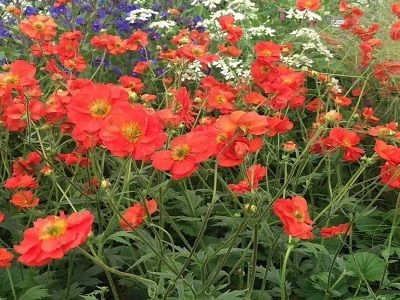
[314, 42]
[260, 31]
[297, 60]
[302, 14]
[245, 6]
[210, 4]
[193, 72]
[231, 68]
[336, 88]
[167, 24]
[140, 14]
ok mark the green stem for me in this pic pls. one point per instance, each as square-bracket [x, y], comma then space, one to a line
[284, 266]
[11, 284]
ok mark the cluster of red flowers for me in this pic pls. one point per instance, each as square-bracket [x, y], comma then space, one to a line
[233, 35]
[293, 212]
[23, 181]
[352, 16]
[115, 45]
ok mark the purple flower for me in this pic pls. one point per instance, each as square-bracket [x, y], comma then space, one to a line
[30, 11]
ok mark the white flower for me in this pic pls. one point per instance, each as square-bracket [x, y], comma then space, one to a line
[163, 24]
[231, 68]
[302, 14]
[297, 60]
[193, 72]
[210, 4]
[261, 31]
[314, 42]
[141, 14]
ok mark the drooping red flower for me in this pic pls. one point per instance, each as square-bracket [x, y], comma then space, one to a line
[293, 213]
[330, 232]
[52, 237]
[234, 151]
[16, 116]
[6, 258]
[390, 174]
[347, 140]
[21, 181]
[2, 216]
[28, 166]
[133, 131]
[185, 154]
[135, 215]
[39, 27]
[73, 159]
[24, 199]
[253, 176]
[396, 8]
[278, 125]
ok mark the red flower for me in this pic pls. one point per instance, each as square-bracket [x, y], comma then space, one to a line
[24, 199]
[21, 181]
[16, 115]
[395, 31]
[316, 105]
[396, 8]
[132, 83]
[141, 67]
[390, 174]
[330, 232]
[294, 215]
[253, 176]
[308, 4]
[243, 123]
[73, 159]
[20, 74]
[234, 151]
[133, 131]
[27, 166]
[221, 98]
[277, 125]
[52, 237]
[135, 215]
[346, 139]
[90, 106]
[197, 52]
[2, 217]
[342, 101]
[255, 98]
[39, 27]
[187, 151]
[5, 258]
[387, 152]
[267, 52]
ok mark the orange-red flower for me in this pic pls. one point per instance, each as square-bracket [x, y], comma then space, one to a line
[395, 31]
[243, 123]
[396, 8]
[52, 237]
[278, 125]
[24, 199]
[267, 52]
[346, 139]
[5, 258]
[27, 166]
[132, 83]
[390, 174]
[90, 106]
[39, 27]
[133, 131]
[253, 176]
[233, 151]
[186, 152]
[135, 215]
[387, 152]
[293, 213]
[21, 181]
[2, 216]
[330, 232]
[16, 116]
[308, 4]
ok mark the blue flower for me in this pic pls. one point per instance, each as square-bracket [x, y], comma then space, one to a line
[80, 20]
[30, 11]
[96, 26]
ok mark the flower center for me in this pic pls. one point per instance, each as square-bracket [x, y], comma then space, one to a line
[197, 51]
[132, 132]
[180, 152]
[299, 216]
[347, 143]
[99, 108]
[221, 99]
[11, 79]
[38, 25]
[55, 229]
[267, 53]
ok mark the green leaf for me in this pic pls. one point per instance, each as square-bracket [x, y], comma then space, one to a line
[235, 295]
[366, 264]
[35, 293]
